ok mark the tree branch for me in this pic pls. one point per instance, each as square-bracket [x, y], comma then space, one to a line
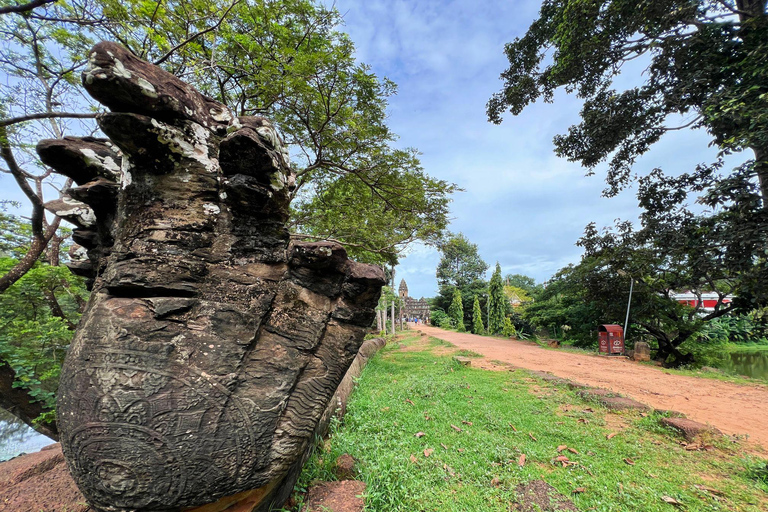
[18, 8]
[196, 35]
[46, 115]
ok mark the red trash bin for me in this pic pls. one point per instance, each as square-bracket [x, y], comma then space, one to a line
[611, 337]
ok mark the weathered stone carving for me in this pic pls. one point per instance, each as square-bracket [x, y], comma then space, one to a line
[211, 344]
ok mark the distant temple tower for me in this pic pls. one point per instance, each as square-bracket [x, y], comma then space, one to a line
[413, 308]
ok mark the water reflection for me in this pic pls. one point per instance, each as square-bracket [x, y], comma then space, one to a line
[17, 438]
[751, 364]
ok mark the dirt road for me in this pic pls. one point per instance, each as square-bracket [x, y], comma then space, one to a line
[734, 409]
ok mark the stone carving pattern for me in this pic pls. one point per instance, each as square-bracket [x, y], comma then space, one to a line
[211, 344]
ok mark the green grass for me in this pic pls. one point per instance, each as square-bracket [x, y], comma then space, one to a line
[405, 392]
[467, 353]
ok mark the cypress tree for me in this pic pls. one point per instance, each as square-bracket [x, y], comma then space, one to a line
[497, 306]
[456, 311]
[477, 318]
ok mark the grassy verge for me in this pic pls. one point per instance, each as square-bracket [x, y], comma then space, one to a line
[432, 435]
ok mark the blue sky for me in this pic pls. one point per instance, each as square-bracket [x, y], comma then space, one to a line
[522, 206]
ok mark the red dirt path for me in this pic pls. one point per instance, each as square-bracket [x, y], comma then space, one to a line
[733, 408]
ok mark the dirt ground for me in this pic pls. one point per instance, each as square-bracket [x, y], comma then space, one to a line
[734, 409]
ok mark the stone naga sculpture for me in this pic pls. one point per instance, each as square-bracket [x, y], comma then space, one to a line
[211, 344]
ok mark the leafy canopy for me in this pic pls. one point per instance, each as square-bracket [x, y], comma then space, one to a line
[283, 59]
[460, 263]
[707, 64]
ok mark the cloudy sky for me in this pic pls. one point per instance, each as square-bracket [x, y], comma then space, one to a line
[522, 206]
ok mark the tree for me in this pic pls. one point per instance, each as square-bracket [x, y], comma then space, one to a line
[706, 62]
[38, 314]
[498, 303]
[524, 283]
[477, 318]
[460, 263]
[509, 329]
[456, 311]
[284, 59]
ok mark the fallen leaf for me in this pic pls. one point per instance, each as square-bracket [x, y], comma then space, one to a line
[561, 458]
[560, 422]
[573, 450]
[589, 409]
[420, 434]
[428, 452]
[409, 401]
[644, 415]
[504, 389]
[467, 422]
[449, 469]
[512, 427]
[561, 448]
[427, 417]
[629, 461]
[460, 450]
[611, 435]
[521, 460]
[495, 481]
[444, 447]
[414, 459]
[692, 447]
[579, 490]
[621, 487]
[532, 436]
[582, 420]
[671, 501]
[708, 489]
[454, 427]
[384, 409]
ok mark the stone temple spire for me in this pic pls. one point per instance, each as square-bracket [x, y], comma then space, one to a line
[403, 289]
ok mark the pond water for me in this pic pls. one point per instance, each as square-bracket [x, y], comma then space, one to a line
[750, 363]
[17, 438]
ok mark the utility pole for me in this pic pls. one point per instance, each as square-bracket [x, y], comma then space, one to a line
[629, 303]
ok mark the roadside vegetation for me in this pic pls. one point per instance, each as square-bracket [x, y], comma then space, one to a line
[430, 434]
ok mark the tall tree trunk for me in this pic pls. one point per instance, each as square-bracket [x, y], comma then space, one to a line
[21, 404]
[384, 319]
[393, 317]
[378, 320]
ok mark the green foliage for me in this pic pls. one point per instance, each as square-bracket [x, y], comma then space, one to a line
[509, 329]
[498, 303]
[516, 293]
[706, 62]
[524, 283]
[283, 59]
[37, 318]
[15, 236]
[456, 311]
[441, 319]
[747, 329]
[477, 318]
[460, 263]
